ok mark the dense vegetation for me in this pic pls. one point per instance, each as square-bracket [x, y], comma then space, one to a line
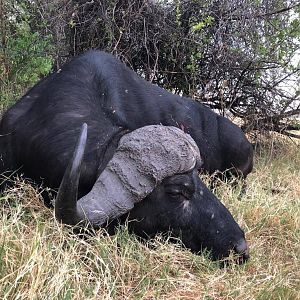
[236, 56]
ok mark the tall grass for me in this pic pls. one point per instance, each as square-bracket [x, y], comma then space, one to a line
[41, 259]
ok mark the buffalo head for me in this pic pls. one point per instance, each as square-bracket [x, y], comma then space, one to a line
[152, 180]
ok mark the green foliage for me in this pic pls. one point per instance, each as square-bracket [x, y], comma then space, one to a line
[25, 52]
[200, 25]
[178, 13]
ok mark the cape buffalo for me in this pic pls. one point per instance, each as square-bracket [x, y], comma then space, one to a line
[98, 99]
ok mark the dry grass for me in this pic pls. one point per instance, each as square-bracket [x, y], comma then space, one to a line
[40, 259]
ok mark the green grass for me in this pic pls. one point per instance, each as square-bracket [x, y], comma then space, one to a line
[41, 259]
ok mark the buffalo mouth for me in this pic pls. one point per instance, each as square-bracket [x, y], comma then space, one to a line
[238, 254]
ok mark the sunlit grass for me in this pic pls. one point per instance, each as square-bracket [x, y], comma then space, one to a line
[41, 259]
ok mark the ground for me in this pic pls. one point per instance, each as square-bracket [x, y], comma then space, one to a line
[41, 259]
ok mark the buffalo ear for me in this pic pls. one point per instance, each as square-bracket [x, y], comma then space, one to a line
[199, 164]
[110, 148]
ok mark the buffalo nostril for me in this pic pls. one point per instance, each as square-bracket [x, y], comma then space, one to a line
[242, 249]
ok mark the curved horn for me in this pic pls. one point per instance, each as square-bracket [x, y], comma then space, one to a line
[66, 200]
[142, 160]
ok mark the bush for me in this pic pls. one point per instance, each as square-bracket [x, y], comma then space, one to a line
[25, 55]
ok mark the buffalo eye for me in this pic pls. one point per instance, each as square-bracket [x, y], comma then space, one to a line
[179, 192]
